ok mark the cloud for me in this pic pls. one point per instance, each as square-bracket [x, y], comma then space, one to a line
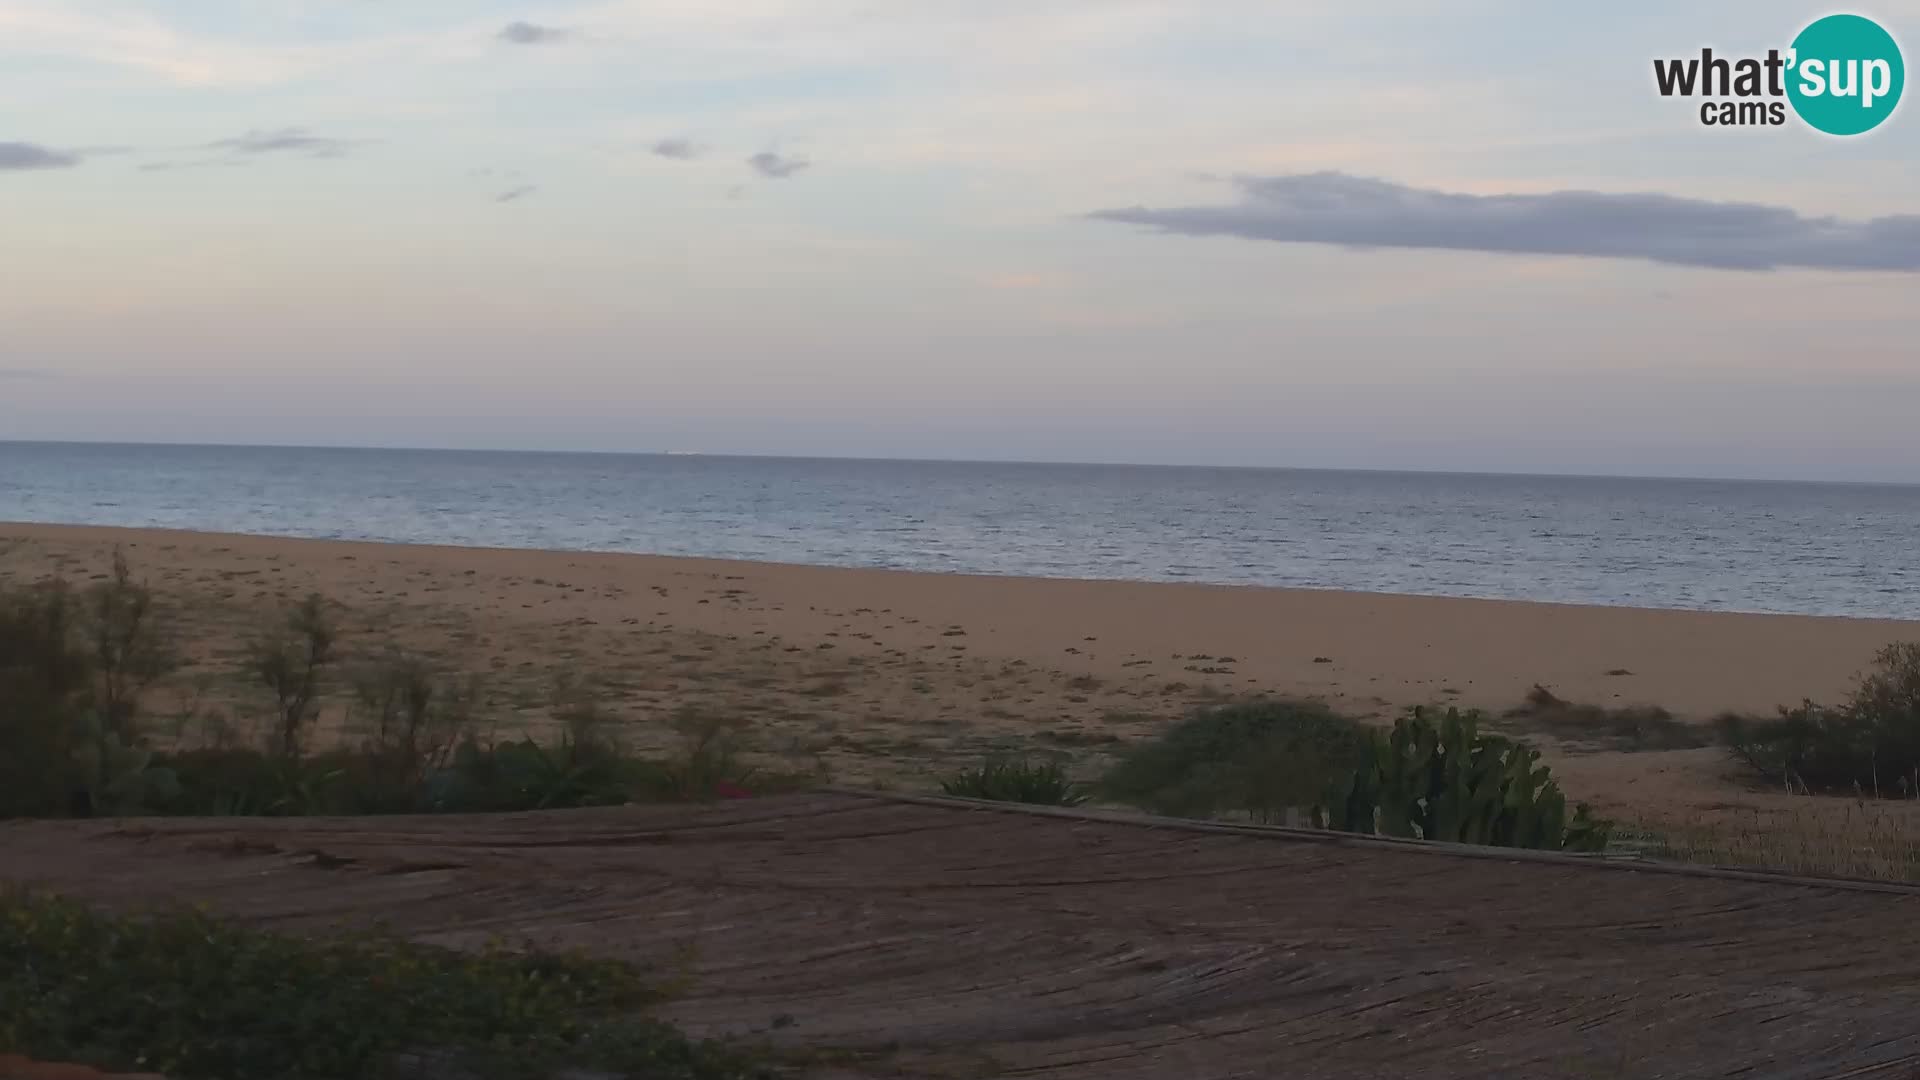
[526, 33]
[284, 140]
[121, 35]
[774, 167]
[20, 156]
[513, 194]
[1335, 208]
[678, 148]
[198, 163]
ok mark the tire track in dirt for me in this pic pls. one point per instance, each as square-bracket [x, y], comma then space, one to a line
[958, 940]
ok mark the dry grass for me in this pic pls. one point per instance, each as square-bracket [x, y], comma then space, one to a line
[1815, 836]
[1596, 727]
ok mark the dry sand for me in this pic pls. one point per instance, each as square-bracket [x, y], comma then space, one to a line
[888, 677]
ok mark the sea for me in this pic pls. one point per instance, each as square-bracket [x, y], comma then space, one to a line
[1720, 545]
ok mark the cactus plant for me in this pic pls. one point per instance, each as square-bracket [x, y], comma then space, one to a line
[1446, 781]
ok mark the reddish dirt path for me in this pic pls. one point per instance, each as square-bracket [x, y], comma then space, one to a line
[984, 942]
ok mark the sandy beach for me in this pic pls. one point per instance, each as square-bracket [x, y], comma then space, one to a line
[888, 677]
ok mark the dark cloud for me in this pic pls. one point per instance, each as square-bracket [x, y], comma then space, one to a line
[1334, 208]
[512, 194]
[774, 167]
[526, 33]
[284, 140]
[677, 148]
[20, 156]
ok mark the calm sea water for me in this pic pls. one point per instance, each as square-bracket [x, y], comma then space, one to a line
[1836, 549]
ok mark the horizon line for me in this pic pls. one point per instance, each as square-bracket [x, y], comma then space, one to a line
[1375, 470]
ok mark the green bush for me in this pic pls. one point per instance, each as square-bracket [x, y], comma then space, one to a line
[1042, 784]
[194, 997]
[1870, 745]
[1261, 759]
[1446, 781]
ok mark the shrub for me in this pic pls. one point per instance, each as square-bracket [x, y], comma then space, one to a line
[127, 645]
[44, 694]
[1635, 727]
[527, 775]
[242, 781]
[290, 663]
[1446, 781]
[1043, 784]
[416, 721]
[1262, 759]
[72, 668]
[1870, 745]
[709, 765]
[193, 996]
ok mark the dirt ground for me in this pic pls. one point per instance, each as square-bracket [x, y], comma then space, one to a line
[913, 939]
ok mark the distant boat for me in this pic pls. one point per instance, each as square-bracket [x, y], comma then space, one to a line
[682, 453]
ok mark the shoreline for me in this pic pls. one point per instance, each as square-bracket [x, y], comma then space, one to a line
[26, 528]
[1357, 650]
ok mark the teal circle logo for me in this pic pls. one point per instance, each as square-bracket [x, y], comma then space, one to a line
[1846, 75]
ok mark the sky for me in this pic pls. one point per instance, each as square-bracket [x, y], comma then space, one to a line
[1319, 233]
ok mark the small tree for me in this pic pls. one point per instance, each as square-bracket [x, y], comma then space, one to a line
[128, 643]
[291, 663]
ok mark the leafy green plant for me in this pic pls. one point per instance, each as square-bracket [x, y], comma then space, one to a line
[1445, 781]
[1040, 783]
[1262, 759]
[193, 996]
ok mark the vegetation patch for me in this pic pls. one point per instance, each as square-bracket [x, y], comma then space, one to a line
[1852, 838]
[1000, 780]
[1870, 745]
[1439, 778]
[1261, 760]
[1632, 728]
[192, 996]
[75, 663]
